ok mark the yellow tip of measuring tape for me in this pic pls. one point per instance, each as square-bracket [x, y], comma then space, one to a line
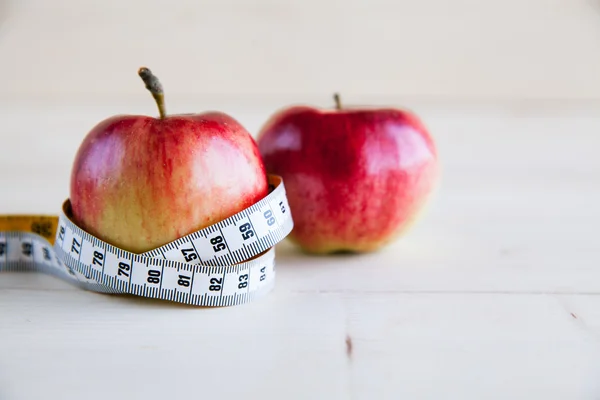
[43, 225]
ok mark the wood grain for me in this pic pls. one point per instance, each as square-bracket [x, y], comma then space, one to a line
[495, 294]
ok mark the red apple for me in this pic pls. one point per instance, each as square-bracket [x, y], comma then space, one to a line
[139, 182]
[355, 177]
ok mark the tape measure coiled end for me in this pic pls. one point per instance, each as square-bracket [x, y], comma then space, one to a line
[228, 263]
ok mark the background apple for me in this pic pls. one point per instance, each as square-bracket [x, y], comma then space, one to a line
[139, 182]
[355, 178]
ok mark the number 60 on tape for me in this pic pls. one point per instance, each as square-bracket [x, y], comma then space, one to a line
[228, 263]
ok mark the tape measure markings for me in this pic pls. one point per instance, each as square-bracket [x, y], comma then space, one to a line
[230, 262]
[208, 245]
[68, 236]
[215, 276]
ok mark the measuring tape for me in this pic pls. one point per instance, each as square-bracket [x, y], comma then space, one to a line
[225, 264]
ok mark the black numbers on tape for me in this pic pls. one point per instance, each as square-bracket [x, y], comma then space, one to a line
[2, 249]
[153, 276]
[218, 244]
[215, 284]
[269, 217]
[282, 207]
[189, 254]
[98, 258]
[42, 228]
[184, 281]
[26, 249]
[243, 281]
[46, 253]
[124, 269]
[246, 230]
[61, 233]
[263, 275]
[76, 246]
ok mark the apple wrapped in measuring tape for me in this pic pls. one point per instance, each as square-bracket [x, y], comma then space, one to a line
[355, 177]
[139, 182]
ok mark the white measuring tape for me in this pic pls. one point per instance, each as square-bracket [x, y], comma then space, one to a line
[225, 264]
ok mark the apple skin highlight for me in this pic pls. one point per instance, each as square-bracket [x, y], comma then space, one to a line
[355, 178]
[140, 182]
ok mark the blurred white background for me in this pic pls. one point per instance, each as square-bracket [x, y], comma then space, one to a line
[302, 50]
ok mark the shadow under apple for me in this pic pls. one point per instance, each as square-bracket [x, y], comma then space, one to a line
[288, 251]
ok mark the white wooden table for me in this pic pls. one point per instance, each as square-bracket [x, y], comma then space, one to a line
[495, 294]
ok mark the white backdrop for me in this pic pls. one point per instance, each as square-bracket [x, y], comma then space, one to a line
[298, 50]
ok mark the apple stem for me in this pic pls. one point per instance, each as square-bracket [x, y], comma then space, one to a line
[338, 101]
[154, 86]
